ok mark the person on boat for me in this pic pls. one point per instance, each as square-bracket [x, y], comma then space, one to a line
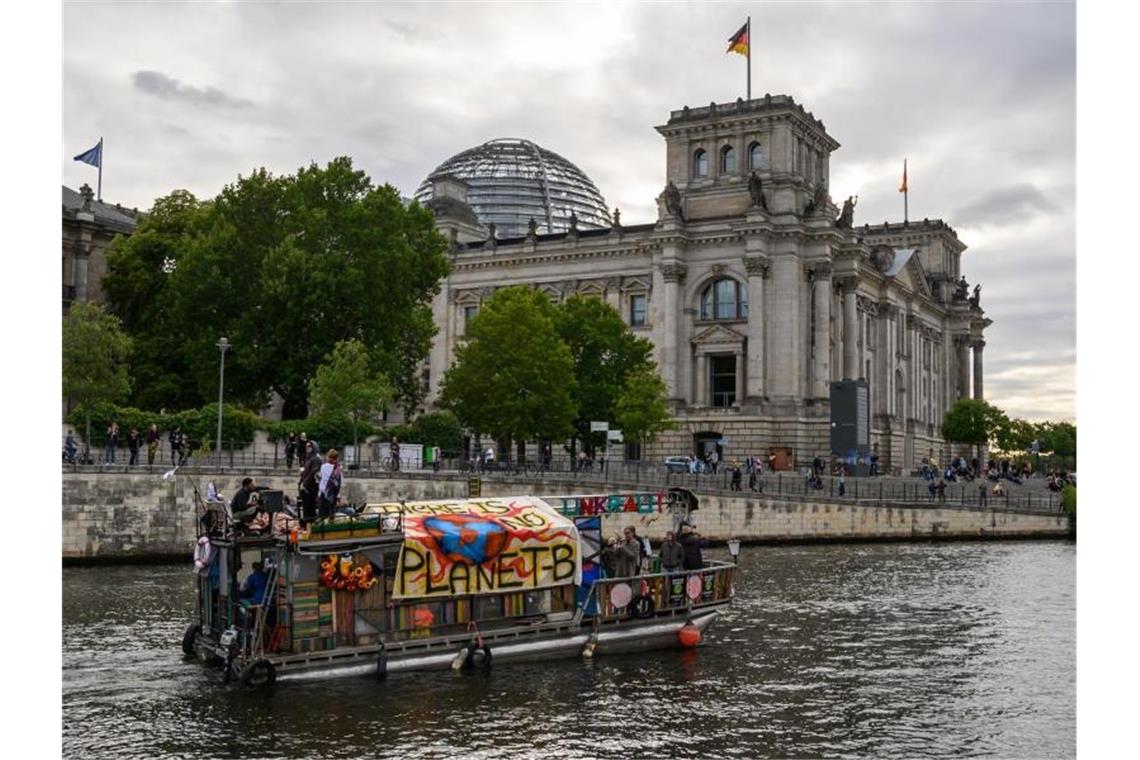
[308, 482]
[255, 585]
[329, 488]
[672, 554]
[256, 517]
[691, 543]
[285, 520]
[240, 502]
[634, 546]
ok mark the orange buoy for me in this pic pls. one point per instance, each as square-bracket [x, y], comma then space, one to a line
[689, 635]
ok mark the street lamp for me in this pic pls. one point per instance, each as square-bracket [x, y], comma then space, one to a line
[734, 549]
[222, 344]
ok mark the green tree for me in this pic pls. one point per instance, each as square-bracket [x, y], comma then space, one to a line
[512, 377]
[605, 353]
[1058, 439]
[284, 267]
[642, 408]
[437, 429]
[973, 421]
[347, 384]
[95, 353]
[137, 285]
[1015, 436]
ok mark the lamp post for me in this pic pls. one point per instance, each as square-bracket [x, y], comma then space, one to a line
[734, 549]
[222, 344]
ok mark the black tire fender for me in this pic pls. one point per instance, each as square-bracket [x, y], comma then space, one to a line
[259, 673]
[643, 607]
[190, 637]
[484, 653]
[382, 664]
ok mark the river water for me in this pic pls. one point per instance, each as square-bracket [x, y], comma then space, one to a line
[878, 650]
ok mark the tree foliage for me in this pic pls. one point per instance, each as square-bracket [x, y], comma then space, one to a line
[347, 385]
[642, 407]
[95, 353]
[1058, 438]
[512, 377]
[1015, 436]
[284, 267]
[605, 353]
[137, 285]
[972, 421]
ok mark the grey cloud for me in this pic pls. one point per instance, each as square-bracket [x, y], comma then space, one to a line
[162, 86]
[1005, 205]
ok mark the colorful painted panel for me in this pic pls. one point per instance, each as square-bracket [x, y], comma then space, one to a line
[483, 546]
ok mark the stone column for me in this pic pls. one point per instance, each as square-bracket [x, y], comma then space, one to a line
[82, 257]
[963, 366]
[787, 345]
[673, 274]
[702, 391]
[613, 296]
[739, 390]
[978, 347]
[850, 330]
[757, 269]
[821, 335]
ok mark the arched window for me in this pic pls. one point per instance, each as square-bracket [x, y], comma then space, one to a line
[755, 156]
[700, 164]
[724, 299]
[727, 160]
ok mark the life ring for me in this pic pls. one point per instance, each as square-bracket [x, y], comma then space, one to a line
[190, 637]
[259, 673]
[382, 663]
[484, 659]
[643, 607]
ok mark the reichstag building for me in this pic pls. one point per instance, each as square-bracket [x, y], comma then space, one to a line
[756, 287]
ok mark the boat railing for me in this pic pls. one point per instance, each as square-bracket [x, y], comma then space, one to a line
[649, 594]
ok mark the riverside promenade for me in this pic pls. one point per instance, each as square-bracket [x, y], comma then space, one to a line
[122, 514]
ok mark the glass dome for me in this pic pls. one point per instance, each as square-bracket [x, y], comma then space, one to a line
[512, 181]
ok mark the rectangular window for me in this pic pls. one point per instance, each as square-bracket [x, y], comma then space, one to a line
[469, 313]
[723, 371]
[637, 310]
[633, 452]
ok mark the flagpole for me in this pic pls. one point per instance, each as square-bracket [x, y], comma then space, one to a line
[749, 58]
[906, 195]
[99, 191]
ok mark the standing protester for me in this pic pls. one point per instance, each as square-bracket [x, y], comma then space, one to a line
[329, 488]
[183, 449]
[111, 443]
[436, 453]
[290, 450]
[842, 482]
[134, 442]
[152, 438]
[308, 483]
[736, 476]
[394, 452]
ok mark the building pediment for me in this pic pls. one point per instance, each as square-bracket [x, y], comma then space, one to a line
[718, 335]
[907, 271]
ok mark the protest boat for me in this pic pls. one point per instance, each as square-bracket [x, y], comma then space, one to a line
[442, 584]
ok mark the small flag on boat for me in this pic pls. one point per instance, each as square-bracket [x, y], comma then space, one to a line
[738, 43]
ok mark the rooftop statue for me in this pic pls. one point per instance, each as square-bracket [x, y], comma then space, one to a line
[847, 216]
[672, 198]
[962, 290]
[818, 201]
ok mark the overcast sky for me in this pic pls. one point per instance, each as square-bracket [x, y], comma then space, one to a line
[980, 97]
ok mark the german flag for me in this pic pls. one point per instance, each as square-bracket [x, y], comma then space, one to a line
[904, 187]
[738, 43]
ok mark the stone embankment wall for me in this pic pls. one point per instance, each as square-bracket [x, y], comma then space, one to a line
[125, 517]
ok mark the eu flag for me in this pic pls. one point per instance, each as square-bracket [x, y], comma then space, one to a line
[94, 157]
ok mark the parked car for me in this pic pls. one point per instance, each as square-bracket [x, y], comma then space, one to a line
[677, 464]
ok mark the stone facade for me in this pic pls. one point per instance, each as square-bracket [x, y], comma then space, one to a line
[757, 291]
[89, 226]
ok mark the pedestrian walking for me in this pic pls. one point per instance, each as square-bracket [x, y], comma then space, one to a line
[842, 484]
[290, 450]
[736, 476]
[175, 440]
[183, 449]
[152, 438]
[134, 443]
